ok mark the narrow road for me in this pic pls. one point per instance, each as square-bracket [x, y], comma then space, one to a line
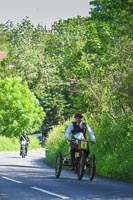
[31, 179]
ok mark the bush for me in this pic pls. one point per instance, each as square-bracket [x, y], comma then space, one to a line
[56, 142]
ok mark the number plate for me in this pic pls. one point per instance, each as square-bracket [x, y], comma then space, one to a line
[83, 145]
[76, 154]
[23, 142]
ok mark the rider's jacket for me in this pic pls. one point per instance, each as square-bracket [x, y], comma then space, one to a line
[82, 128]
[77, 128]
[26, 138]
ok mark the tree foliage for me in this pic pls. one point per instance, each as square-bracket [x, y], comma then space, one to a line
[3, 39]
[19, 108]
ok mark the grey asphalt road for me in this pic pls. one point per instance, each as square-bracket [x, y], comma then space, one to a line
[30, 178]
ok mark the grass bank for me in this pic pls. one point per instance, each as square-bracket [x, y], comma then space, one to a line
[12, 144]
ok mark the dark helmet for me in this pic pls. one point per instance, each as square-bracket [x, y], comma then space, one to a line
[24, 132]
[78, 115]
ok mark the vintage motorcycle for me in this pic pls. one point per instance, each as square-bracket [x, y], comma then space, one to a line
[80, 161]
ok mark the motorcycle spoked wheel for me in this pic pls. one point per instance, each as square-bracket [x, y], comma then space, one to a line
[81, 165]
[58, 166]
[23, 152]
[92, 167]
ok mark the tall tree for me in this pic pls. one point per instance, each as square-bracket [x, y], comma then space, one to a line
[19, 108]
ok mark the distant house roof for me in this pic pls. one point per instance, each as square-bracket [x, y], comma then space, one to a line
[3, 55]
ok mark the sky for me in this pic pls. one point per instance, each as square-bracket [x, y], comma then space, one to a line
[43, 12]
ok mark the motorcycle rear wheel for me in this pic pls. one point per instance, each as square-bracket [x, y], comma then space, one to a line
[58, 166]
[92, 167]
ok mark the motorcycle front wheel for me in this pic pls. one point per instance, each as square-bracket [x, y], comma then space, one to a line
[81, 165]
[23, 151]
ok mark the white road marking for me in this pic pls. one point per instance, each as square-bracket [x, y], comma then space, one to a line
[11, 179]
[39, 189]
[51, 193]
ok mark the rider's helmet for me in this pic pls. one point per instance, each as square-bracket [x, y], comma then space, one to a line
[78, 115]
[24, 132]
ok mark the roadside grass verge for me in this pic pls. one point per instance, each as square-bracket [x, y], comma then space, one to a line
[12, 144]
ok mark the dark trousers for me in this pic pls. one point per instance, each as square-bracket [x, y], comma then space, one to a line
[72, 153]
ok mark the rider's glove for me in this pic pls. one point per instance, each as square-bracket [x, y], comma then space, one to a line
[75, 142]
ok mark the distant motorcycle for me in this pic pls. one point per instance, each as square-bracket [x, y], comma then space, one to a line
[23, 148]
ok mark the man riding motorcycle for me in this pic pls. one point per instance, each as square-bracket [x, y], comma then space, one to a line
[24, 137]
[78, 130]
